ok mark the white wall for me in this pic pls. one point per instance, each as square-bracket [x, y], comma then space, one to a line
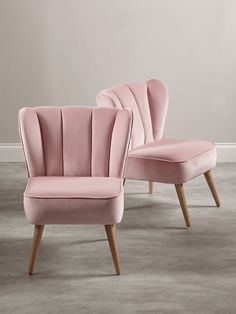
[64, 51]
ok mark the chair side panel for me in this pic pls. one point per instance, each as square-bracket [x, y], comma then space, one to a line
[120, 143]
[32, 142]
[51, 130]
[158, 99]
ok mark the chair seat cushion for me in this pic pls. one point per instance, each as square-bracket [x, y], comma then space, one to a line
[171, 160]
[74, 200]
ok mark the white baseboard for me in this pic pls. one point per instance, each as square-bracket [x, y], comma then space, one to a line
[226, 152]
[12, 152]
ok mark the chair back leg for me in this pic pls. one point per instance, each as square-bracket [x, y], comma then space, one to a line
[150, 187]
[211, 183]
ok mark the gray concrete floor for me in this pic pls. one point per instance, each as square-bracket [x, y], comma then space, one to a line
[165, 267]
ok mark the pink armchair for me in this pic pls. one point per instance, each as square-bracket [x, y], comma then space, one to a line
[75, 157]
[152, 157]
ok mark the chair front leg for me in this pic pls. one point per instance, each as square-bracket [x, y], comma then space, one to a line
[181, 195]
[111, 236]
[211, 183]
[150, 187]
[38, 232]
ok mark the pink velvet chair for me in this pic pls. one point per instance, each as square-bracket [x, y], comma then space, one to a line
[75, 158]
[153, 157]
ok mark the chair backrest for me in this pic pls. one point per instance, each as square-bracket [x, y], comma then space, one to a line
[149, 102]
[75, 141]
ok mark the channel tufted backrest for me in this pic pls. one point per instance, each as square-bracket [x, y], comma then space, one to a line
[75, 141]
[148, 100]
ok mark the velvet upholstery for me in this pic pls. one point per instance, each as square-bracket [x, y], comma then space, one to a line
[152, 157]
[148, 101]
[171, 160]
[75, 158]
[74, 200]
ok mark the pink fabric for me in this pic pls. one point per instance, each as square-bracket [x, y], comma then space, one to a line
[51, 134]
[148, 100]
[73, 187]
[76, 159]
[171, 161]
[172, 150]
[74, 200]
[74, 141]
[103, 122]
[152, 157]
[30, 133]
[43, 211]
[119, 135]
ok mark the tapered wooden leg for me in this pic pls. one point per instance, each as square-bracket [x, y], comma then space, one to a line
[111, 236]
[150, 187]
[211, 183]
[38, 232]
[180, 192]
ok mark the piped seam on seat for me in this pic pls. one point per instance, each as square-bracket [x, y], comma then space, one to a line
[74, 197]
[172, 161]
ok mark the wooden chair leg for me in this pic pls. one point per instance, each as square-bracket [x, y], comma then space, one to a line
[181, 195]
[211, 183]
[38, 232]
[150, 187]
[111, 236]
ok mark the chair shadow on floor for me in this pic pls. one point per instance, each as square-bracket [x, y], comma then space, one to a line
[15, 254]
